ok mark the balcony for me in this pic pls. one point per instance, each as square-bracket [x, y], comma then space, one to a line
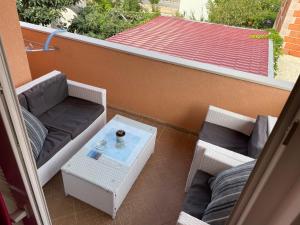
[170, 93]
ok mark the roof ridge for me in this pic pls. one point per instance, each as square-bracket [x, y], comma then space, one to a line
[206, 22]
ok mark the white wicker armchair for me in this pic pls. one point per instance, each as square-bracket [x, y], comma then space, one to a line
[214, 159]
[211, 159]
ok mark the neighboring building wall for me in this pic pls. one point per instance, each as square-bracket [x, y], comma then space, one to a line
[288, 68]
[194, 9]
[288, 25]
[290, 28]
[11, 37]
[166, 92]
[285, 5]
[166, 7]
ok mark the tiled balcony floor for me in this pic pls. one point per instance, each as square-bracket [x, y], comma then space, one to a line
[155, 198]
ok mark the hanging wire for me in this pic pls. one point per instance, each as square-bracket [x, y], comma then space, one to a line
[32, 46]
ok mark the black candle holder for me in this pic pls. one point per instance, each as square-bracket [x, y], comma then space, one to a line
[120, 133]
[120, 138]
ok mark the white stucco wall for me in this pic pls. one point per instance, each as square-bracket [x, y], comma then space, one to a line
[194, 9]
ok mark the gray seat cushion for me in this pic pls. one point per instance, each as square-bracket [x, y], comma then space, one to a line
[198, 196]
[258, 137]
[224, 137]
[54, 142]
[226, 189]
[72, 116]
[47, 94]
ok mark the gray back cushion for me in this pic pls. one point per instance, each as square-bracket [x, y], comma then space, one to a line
[23, 101]
[258, 137]
[226, 188]
[37, 132]
[47, 94]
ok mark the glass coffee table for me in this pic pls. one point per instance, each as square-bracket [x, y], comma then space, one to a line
[102, 172]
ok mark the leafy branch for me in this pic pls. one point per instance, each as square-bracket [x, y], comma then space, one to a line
[277, 44]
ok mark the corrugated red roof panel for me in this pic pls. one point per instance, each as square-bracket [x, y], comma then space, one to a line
[221, 45]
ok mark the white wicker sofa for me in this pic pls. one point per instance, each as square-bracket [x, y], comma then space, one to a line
[77, 92]
[212, 159]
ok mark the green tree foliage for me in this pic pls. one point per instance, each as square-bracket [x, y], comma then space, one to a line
[98, 21]
[244, 13]
[132, 5]
[154, 1]
[42, 11]
[277, 45]
[106, 4]
[154, 5]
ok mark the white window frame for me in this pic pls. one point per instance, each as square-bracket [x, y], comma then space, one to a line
[269, 197]
[14, 124]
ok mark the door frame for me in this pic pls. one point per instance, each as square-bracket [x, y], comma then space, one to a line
[17, 134]
[276, 173]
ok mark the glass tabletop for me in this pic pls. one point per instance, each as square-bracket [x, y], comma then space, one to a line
[104, 143]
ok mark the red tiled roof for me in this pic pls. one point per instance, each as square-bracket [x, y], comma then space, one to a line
[216, 44]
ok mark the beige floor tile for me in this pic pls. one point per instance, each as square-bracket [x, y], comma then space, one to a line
[92, 216]
[60, 206]
[66, 220]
